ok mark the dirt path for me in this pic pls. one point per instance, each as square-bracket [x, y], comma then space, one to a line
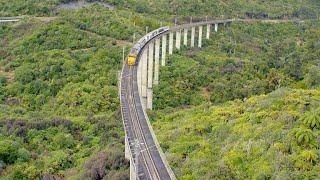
[46, 19]
[272, 20]
[81, 4]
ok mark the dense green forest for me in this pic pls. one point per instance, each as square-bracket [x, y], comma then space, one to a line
[211, 124]
[263, 137]
[214, 126]
[60, 114]
[244, 106]
[167, 9]
[242, 60]
[223, 9]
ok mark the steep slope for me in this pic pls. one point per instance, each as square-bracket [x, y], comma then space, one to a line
[214, 126]
[267, 136]
[308, 9]
[227, 8]
[60, 114]
[239, 61]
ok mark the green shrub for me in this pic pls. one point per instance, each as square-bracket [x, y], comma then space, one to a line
[9, 151]
[313, 77]
[312, 119]
[304, 136]
[3, 81]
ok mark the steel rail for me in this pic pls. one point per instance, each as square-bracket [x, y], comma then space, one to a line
[127, 115]
[137, 132]
[146, 148]
[155, 158]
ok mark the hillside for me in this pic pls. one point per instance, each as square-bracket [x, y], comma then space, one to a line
[239, 61]
[167, 9]
[242, 8]
[243, 106]
[264, 137]
[60, 114]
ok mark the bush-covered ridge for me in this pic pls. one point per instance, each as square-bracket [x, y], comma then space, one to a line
[243, 136]
[59, 115]
[169, 9]
[64, 69]
[54, 148]
[267, 136]
[47, 61]
[240, 61]
[222, 9]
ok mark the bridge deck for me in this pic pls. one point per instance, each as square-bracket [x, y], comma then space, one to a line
[142, 145]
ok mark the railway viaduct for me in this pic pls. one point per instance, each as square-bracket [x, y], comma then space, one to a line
[147, 160]
[154, 54]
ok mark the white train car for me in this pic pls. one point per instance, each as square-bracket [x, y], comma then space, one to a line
[142, 42]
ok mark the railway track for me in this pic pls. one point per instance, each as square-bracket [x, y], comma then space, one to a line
[147, 159]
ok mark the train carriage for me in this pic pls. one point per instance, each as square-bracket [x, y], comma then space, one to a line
[141, 43]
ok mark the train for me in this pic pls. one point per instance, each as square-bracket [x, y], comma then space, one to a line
[142, 42]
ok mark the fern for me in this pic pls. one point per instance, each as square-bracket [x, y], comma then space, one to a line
[309, 155]
[312, 119]
[305, 136]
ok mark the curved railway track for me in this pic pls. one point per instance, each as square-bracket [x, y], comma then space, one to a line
[146, 156]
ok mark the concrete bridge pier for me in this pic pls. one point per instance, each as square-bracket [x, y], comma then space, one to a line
[127, 148]
[139, 78]
[149, 98]
[200, 37]
[144, 77]
[156, 62]
[170, 43]
[193, 31]
[185, 37]
[216, 27]
[133, 175]
[150, 75]
[164, 50]
[208, 31]
[150, 64]
[178, 39]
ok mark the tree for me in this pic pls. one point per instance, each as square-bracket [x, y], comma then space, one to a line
[3, 80]
[275, 79]
[313, 77]
[8, 151]
[293, 67]
[23, 155]
[142, 8]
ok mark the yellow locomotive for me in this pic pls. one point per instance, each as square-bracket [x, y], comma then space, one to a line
[131, 60]
[133, 54]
